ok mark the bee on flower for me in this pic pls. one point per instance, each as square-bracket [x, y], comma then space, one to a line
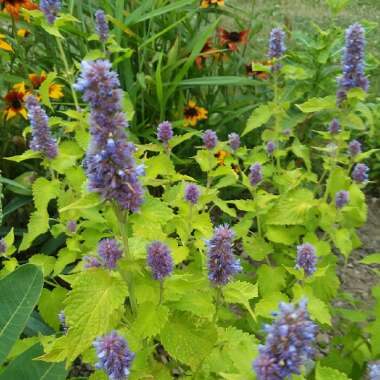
[231, 40]
[55, 90]
[15, 101]
[207, 3]
[13, 7]
[193, 113]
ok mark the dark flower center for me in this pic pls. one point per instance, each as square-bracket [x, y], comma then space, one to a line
[234, 36]
[16, 104]
[191, 112]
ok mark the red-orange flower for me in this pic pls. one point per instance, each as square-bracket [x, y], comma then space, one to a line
[55, 90]
[15, 101]
[13, 7]
[232, 39]
[207, 3]
[207, 51]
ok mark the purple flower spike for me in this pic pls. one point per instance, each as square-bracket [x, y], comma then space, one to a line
[276, 43]
[110, 252]
[3, 246]
[210, 139]
[51, 9]
[288, 345]
[101, 25]
[91, 262]
[165, 132]
[109, 162]
[271, 147]
[221, 262]
[255, 174]
[306, 259]
[353, 63]
[354, 148]
[341, 198]
[62, 321]
[374, 371]
[334, 127]
[160, 260]
[42, 141]
[114, 355]
[192, 193]
[234, 141]
[360, 173]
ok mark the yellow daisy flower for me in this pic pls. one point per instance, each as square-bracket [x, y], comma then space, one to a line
[194, 113]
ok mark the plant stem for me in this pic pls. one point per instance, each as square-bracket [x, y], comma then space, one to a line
[218, 298]
[161, 291]
[68, 72]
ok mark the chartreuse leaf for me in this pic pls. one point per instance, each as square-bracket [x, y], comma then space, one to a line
[241, 292]
[374, 258]
[43, 192]
[259, 116]
[326, 373]
[205, 160]
[44, 89]
[292, 208]
[270, 279]
[150, 320]
[19, 293]
[27, 155]
[9, 240]
[25, 367]
[188, 339]
[50, 304]
[318, 104]
[90, 308]
[269, 303]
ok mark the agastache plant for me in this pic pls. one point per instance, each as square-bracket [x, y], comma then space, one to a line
[110, 166]
[192, 193]
[110, 252]
[360, 173]
[276, 46]
[306, 259]
[255, 174]
[234, 141]
[288, 345]
[42, 141]
[115, 357]
[221, 262]
[210, 139]
[51, 9]
[165, 132]
[353, 63]
[341, 198]
[374, 371]
[3, 246]
[334, 127]
[101, 25]
[354, 148]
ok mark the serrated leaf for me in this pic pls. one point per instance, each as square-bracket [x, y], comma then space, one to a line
[318, 104]
[241, 292]
[326, 373]
[50, 304]
[150, 320]
[188, 340]
[90, 307]
[374, 258]
[27, 155]
[205, 160]
[259, 116]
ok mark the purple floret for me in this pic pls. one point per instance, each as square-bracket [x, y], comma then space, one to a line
[341, 198]
[51, 9]
[101, 25]
[360, 173]
[255, 174]
[306, 259]
[160, 260]
[110, 252]
[42, 141]
[288, 345]
[221, 262]
[210, 139]
[165, 132]
[192, 193]
[114, 356]
[234, 141]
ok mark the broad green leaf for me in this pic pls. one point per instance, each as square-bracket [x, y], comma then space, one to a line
[50, 305]
[343, 241]
[27, 155]
[270, 279]
[9, 240]
[44, 89]
[150, 320]
[88, 200]
[19, 294]
[25, 367]
[256, 247]
[241, 292]
[326, 373]
[284, 235]
[318, 104]
[292, 208]
[91, 307]
[44, 262]
[43, 192]
[198, 302]
[188, 339]
[205, 160]
[267, 305]
[259, 116]
[374, 258]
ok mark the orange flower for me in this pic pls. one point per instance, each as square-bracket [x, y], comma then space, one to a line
[207, 51]
[4, 45]
[258, 74]
[55, 90]
[15, 101]
[13, 7]
[194, 113]
[220, 156]
[207, 3]
[232, 39]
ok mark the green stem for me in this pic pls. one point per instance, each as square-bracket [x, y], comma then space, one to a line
[161, 291]
[122, 217]
[218, 298]
[68, 72]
